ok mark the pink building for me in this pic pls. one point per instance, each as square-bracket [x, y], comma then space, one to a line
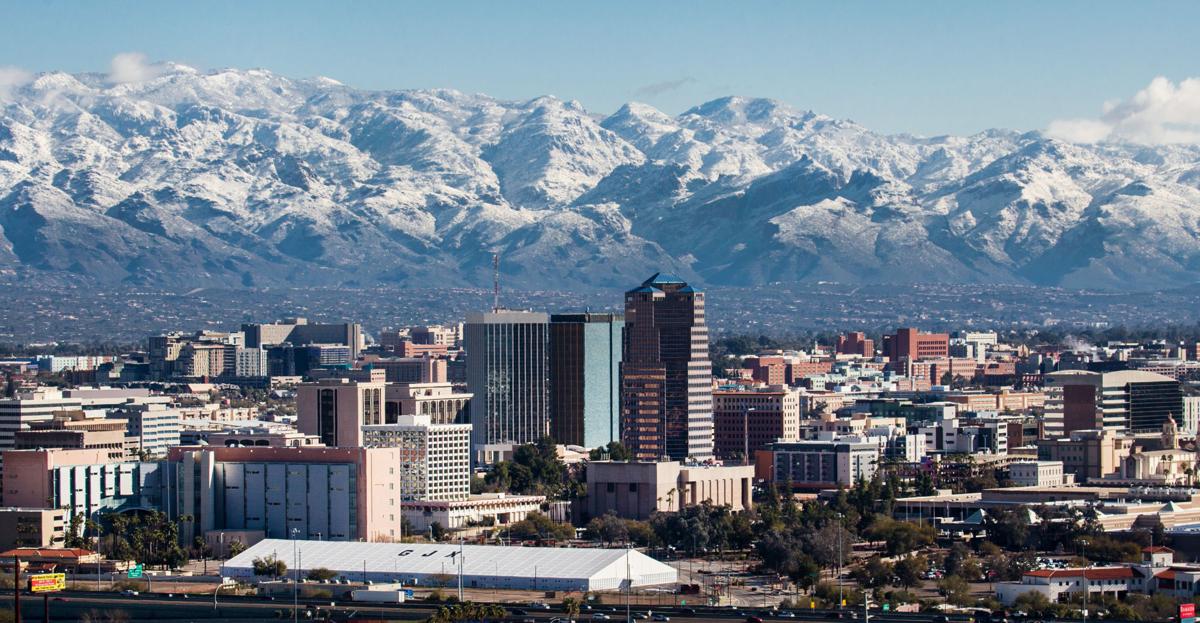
[321, 493]
[336, 409]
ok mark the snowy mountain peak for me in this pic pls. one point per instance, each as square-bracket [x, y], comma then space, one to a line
[160, 173]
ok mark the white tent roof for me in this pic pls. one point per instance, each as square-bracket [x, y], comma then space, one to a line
[487, 565]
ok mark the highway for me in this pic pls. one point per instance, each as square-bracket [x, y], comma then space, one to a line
[114, 608]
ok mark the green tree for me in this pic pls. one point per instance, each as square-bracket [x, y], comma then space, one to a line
[1033, 603]
[955, 589]
[269, 566]
[437, 531]
[236, 547]
[910, 570]
[614, 451]
[320, 574]
[570, 607]
[608, 529]
[874, 573]
[537, 526]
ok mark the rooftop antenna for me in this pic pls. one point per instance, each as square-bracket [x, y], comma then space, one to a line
[495, 282]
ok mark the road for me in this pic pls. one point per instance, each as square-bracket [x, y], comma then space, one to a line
[105, 608]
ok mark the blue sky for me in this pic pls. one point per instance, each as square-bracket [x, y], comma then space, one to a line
[927, 68]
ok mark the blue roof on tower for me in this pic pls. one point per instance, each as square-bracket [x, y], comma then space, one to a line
[662, 279]
[643, 289]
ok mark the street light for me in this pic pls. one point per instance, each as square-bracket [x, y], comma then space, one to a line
[296, 583]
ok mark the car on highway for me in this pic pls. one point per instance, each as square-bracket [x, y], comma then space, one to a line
[754, 618]
[661, 617]
[517, 612]
[687, 611]
[561, 620]
[538, 605]
[600, 616]
[129, 593]
[641, 616]
[786, 614]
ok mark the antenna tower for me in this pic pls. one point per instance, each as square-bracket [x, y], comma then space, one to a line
[495, 282]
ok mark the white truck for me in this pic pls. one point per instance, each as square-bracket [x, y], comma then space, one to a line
[378, 596]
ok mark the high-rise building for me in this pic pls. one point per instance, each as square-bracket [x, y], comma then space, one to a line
[911, 345]
[152, 428]
[666, 376]
[435, 459]
[855, 343]
[748, 419]
[585, 378]
[299, 332]
[250, 362]
[508, 376]
[335, 409]
[1131, 400]
[439, 401]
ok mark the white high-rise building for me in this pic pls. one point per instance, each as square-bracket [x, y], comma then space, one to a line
[250, 362]
[435, 459]
[154, 427]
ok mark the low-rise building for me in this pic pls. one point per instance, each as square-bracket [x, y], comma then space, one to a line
[637, 489]
[819, 464]
[1088, 454]
[1038, 474]
[84, 482]
[32, 527]
[336, 494]
[489, 509]
[73, 430]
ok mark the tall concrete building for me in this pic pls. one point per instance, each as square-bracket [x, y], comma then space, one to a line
[911, 345]
[508, 376]
[585, 378]
[747, 419]
[435, 459]
[666, 376]
[1130, 400]
[335, 409]
[329, 494]
[298, 331]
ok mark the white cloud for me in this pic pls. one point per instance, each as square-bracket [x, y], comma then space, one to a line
[1162, 113]
[132, 67]
[12, 78]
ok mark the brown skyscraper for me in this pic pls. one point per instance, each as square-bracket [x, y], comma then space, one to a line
[666, 376]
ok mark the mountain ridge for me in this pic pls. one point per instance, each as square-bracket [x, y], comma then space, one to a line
[245, 177]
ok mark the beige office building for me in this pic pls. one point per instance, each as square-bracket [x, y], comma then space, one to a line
[336, 409]
[636, 490]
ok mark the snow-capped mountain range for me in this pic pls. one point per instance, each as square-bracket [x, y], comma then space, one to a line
[235, 177]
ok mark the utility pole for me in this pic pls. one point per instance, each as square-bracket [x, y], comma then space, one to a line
[461, 560]
[841, 527]
[16, 588]
[296, 583]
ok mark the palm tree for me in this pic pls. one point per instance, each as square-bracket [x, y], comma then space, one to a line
[570, 607]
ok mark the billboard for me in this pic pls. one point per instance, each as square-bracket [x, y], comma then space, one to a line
[47, 582]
